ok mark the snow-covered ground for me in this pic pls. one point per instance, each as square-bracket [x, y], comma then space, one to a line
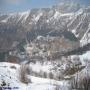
[47, 84]
[10, 76]
[85, 57]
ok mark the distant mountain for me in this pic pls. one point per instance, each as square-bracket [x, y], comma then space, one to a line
[68, 20]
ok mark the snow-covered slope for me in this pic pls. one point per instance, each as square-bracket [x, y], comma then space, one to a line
[9, 79]
[72, 17]
[86, 38]
[21, 16]
[9, 76]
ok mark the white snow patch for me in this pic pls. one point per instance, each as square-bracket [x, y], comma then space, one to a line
[38, 67]
[9, 75]
[67, 14]
[24, 15]
[38, 17]
[86, 37]
[85, 56]
[56, 14]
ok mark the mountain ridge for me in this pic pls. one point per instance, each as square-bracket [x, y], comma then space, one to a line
[30, 24]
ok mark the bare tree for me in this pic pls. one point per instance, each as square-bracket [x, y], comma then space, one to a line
[23, 74]
[83, 84]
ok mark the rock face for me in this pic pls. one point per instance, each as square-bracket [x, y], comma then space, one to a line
[70, 21]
